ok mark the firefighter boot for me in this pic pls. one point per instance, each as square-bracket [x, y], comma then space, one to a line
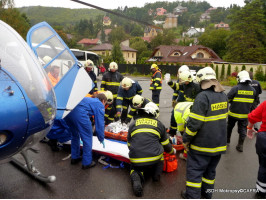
[239, 146]
[228, 137]
[136, 184]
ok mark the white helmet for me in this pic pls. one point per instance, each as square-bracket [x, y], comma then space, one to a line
[89, 63]
[109, 96]
[243, 76]
[185, 76]
[207, 73]
[137, 100]
[47, 59]
[113, 65]
[183, 68]
[126, 82]
[152, 108]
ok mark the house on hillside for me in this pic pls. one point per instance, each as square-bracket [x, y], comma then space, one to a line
[189, 55]
[222, 25]
[106, 21]
[193, 32]
[160, 11]
[170, 21]
[206, 15]
[151, 31]
[179, 10]
[86, 43]
[129, 54]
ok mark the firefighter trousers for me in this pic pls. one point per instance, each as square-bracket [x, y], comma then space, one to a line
[261, 151]
[241, 127]
[156, 96]
[201, 171]
[173, 124]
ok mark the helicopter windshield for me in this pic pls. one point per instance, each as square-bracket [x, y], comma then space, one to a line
[18, 59]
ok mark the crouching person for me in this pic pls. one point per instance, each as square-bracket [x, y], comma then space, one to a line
[147, 140]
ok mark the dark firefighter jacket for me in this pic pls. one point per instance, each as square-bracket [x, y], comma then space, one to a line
[147, 140]
[156, 80]
[256, 85]
[134, 111]
[109, 115]
[94, 80]
[189, 91]
[127, 95]
[111, 81]
[241, 98]
[206, 126]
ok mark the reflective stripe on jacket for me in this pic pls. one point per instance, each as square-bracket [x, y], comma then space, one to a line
[156, 81]
[111, 81]
[206, 126]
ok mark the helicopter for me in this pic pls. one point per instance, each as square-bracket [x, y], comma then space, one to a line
[29, 101]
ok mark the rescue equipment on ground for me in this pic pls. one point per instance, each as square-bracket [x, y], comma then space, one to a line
[177, 142]
[117, 131]
[170, 162]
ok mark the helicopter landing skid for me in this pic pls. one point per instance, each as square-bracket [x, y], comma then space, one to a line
[30, 169]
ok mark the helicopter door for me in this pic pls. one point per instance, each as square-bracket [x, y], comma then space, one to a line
[69, 79]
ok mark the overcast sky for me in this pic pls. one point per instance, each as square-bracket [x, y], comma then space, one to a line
[113, 4]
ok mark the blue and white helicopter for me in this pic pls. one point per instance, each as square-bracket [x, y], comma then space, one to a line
[29, 102]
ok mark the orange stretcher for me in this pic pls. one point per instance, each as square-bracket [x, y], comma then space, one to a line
[116, 136]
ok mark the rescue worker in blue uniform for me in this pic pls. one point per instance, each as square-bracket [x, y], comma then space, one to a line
[156, 84]
[80, 126]
[205, 135]
[138, 102]
[147, 140]
[241, 97]
[111, 80]
[126, 92]
[89, 69]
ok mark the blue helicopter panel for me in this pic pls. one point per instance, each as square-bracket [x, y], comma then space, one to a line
[27, 102]
[71, 82]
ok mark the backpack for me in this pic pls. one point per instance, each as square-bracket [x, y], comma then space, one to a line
[170, 162]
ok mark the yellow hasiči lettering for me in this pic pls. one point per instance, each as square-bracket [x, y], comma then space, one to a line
[219, 106]
[245, 92]
[146, 121]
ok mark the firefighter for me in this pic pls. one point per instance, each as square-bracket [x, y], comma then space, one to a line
[241, 97]
[176, 95]
[147, 140]
[111, 80]
[138, 102]
[126, 92]
[156, 84]
[89, 69]
[205, 135]
[110, 110]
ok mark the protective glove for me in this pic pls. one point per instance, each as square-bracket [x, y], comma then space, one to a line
[174, 152]
[103, 144]
[186, 146]
[174, 102]
[251, 132]
[167, 77]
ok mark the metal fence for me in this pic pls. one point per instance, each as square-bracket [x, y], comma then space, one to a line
[145, 69]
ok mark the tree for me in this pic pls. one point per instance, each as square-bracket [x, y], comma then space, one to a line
[259, 75]
[165, 38]
[217, 72]
[117, 34]
[243, 67]
[8, 3]
[229, 70]
[247, 41]
[117, 54]
[223, 72]
[141, 46]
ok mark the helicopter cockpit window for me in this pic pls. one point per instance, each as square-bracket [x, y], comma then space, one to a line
[55, 56]
[18, 60]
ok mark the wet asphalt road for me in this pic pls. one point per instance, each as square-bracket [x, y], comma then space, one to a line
[235, 171]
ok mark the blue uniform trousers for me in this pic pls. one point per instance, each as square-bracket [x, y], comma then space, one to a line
[156, 97]
[261, 151]
[201, 171]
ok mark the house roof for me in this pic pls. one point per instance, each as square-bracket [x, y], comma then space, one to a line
[88, 41]
[108, 47]
[148, 39]
[107, 31]
[186, 51]
[221, 25]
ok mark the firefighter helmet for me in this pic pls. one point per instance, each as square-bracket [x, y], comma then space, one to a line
[207, 73]
[89, 63]
[126, 83]
[47, 59]
[113, 65]
[137, 100]
[152, 108]
[185, 76]
[183, 68]
[109, 96]
[243, 76]
[154, 66]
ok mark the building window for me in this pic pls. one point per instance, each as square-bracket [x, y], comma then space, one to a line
[132, 55]
[200, 55]
[176, 54]
[128, 55]
[103, 53]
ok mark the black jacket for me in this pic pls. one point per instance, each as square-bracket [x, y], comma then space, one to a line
[111, 81]
[147, 140]
[206, 126]
[241, 98]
